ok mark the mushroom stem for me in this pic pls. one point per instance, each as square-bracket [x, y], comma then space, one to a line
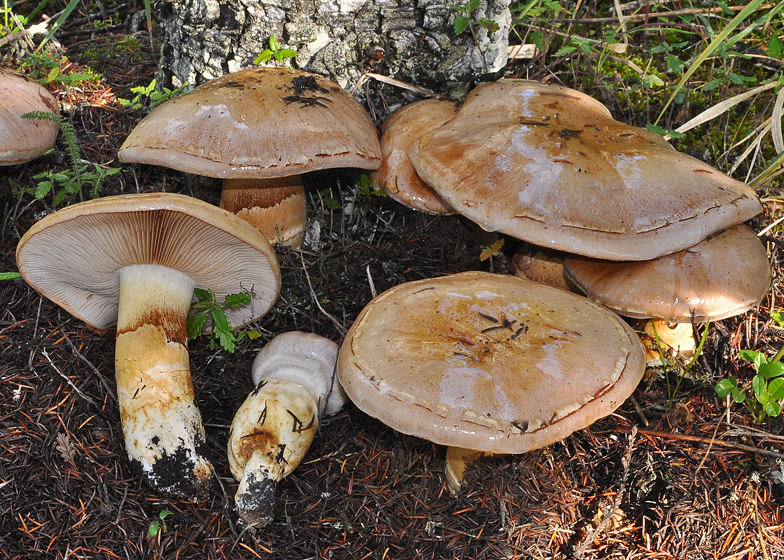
[161, 424]
[275, 207]
[269, 437]
[457, 459]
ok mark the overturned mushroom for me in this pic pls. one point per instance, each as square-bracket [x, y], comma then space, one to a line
[134, 260]
[486, 362]
[21, 139]
[549, 165]
[258, 130]
[274, 427]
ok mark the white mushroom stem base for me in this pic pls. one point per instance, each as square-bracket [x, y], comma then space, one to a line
[457, 459]
[269, 437]
[161, 424]
[275, 207]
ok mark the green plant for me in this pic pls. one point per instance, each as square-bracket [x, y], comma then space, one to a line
[274, 51]
[158, 526]
[767, 385]
[493, 250]
[464, 20]
[208, 307]
[673, 391]
[9, 275]
[367, 187]
[149, 91]
[73, 180]
[47, 68]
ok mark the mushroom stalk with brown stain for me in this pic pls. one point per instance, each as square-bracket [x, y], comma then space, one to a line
[135, 260]
[274, 427]
[161, 423]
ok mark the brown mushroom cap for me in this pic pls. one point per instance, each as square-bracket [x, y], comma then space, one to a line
[541, 265]
[488, 362]
[74, 256]
[258, 123]
[396, 175]
[21, 139]
[724, 275]
[548, 165]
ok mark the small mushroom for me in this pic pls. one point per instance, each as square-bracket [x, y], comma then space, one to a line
[134, 260]
[21, 139]
[489, 363]
[258, 130]
[274, 427]
[724, 275]
[396, 175]
[548, 165]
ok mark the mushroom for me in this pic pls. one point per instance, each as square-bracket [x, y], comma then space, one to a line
[724, 275]
[396, 175]
[258, 130]
[23, 140]
[549, 165]
[134, 260]
[541, 265]
[489, 363]
[273, 429]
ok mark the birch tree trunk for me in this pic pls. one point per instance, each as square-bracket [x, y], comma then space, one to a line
[411, 40]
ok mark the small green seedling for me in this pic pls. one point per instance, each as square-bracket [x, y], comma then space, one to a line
[493, 250]
[70, 181]
[778, 317]
[767, 385]
[156, 529]
[367, 187]
[222, 334]
[274, 51]
[463, 20]
[156, 97]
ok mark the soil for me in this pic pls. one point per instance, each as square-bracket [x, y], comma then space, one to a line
[674, 473]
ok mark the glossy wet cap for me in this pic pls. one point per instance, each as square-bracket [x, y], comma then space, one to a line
[74, 255]
[548, 164]
[258, 123]
[21, 139]
[488, 362]
[724, 275]
[396, 175]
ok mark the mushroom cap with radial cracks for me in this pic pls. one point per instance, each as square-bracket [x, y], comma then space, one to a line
[488, 362]
[258, 123]
[21, 139]
[549, 165]
[74, 255]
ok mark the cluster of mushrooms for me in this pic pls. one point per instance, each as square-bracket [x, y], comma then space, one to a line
[478, 362]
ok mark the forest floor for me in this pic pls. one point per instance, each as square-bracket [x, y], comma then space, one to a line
[701, 479]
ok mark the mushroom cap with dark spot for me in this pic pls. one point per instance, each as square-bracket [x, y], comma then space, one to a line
[74, 256]
[258, 123]
[548, 164]
[488, 362]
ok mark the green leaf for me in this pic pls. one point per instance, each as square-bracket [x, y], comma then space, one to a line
[726, 387]
[9, 275]
[252, 334]
[759, 385]
[263, 56]
[274, 45]
[195, 324]
[674, 64]
[771, 369]
[664, 131]
[461, 24]
[652, 80]
[237, 300]
[775, 47]
[154, 528]
[776, 315]
[285, 53]
[490, 25]
[772, 408]
[204, 295]
[776, 389]
[221, 323]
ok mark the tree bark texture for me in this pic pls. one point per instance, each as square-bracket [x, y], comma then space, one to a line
[410, 40]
